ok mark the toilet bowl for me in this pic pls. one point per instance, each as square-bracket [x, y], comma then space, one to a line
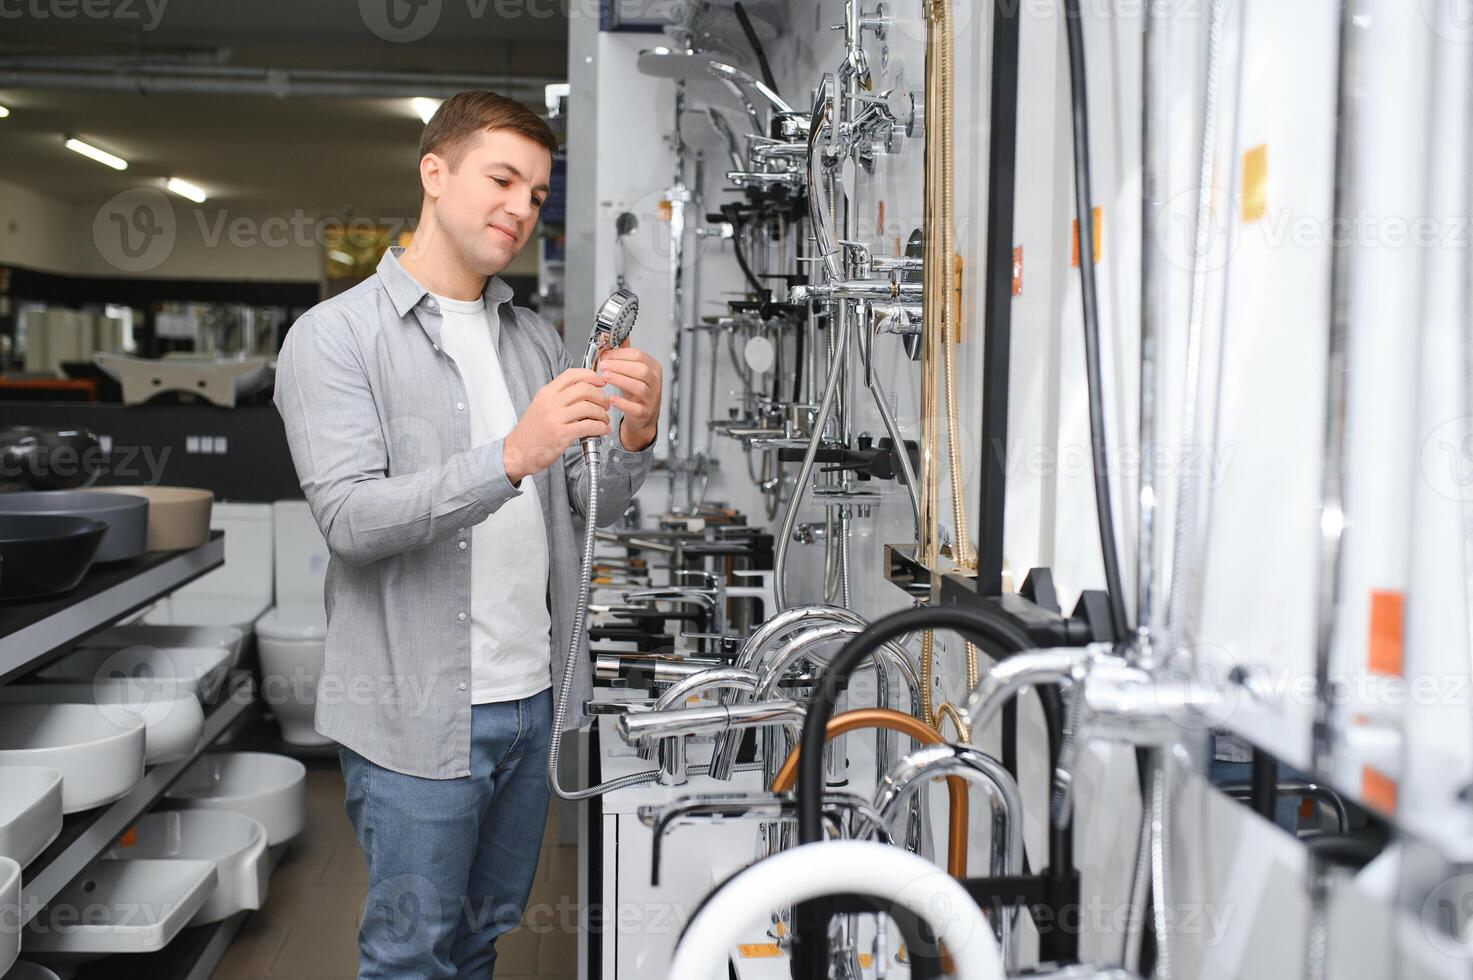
[236, 593]
[290, 638]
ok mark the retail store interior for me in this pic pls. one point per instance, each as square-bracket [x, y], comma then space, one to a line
[1054, 557]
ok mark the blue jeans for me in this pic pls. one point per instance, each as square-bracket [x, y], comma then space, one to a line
[451, 861]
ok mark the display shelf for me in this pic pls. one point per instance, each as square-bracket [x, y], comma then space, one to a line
[30, 631]
[86, 835]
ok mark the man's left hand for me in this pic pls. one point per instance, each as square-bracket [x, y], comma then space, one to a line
[637, 376]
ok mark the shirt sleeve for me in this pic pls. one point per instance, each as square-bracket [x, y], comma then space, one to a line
[326, 401]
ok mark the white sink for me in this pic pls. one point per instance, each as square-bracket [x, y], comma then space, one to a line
[120, 907]
[159, 635]
[30, 811]
[171, 671]
[270, 788]
[9, 913]
[217, 379]
[24, 970]
[233, 842]
[173, 722]
[100, 757]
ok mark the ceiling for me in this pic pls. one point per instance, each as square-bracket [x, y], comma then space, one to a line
[318, 154]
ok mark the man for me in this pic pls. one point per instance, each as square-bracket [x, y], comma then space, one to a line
[434, 427]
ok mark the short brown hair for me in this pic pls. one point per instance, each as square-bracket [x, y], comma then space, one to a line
[465, 114]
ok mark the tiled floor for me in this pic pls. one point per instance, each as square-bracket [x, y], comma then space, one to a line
[309, 927]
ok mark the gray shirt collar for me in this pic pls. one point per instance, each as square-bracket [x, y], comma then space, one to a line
[405, 292]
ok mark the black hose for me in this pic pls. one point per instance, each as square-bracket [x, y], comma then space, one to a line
[741, 257]
[987, 631]
[1078, 85]
[756, 43]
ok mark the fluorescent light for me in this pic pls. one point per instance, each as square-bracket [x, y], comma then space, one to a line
[424, 107]
[185, 189]
[4, 112]
[93, 153]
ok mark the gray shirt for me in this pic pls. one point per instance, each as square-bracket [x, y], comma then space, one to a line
[376, 418]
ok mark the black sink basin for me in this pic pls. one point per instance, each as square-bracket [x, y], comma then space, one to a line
[42, 458]
[45, 554]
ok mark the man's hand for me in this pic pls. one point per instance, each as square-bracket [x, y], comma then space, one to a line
[637, 376]
[569, 407]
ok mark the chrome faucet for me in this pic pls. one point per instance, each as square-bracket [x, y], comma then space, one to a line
[911, 774]
[671, 750]
[755, 651]
[678, 724]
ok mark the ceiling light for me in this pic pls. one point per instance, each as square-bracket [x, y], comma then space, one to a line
[4, 112]
[101, 156]
[425, 107]
[185, 189]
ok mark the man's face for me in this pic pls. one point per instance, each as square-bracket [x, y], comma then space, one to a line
[489, 204]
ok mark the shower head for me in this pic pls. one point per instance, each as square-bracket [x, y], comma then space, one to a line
[663, 62]
[612, 325]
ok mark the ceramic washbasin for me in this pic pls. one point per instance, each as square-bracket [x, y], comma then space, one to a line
[270, 788]
[30, 811]
[173, 722]
[46, 554]
[164, 637]
[9, 913]
[178, 517]
[164, 671]
[219, 380]
[100, 757]
[234, 842]
[126, 516]
[120, 907]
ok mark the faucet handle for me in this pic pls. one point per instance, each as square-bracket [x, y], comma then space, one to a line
[877, 98]
[710, 579]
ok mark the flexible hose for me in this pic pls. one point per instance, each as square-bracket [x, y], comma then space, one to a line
[1155, 298]
[790, 517]
[756, 43]
[961, 549]
[938, 324]
[593, 462]
[1079, 85]
[1140, 882]
[1161, 792]
[1186, 503]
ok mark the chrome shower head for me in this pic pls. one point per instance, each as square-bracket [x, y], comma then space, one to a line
[612, 325]
[663, 62]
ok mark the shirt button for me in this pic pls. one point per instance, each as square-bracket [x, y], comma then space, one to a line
[462, 546]
[460, 616]
[461, 685]
[460, 406]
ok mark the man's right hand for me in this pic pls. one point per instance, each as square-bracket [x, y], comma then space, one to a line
[569, 407]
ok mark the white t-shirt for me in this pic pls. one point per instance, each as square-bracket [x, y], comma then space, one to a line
[510, 625]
